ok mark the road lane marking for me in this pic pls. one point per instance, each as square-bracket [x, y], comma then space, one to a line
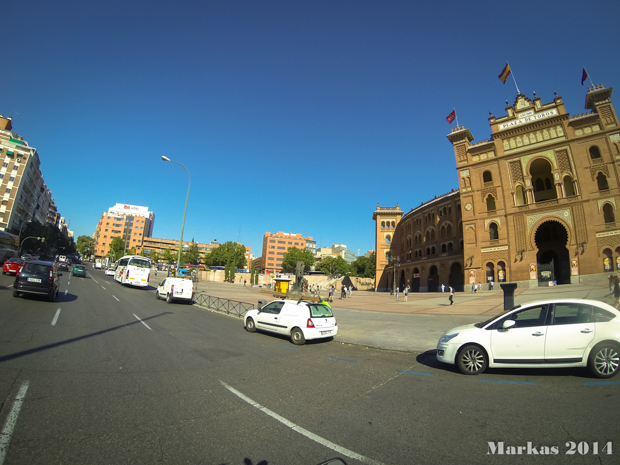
[343, 360]
[287, 347]
[66, 291]
[103, 288]
[414, 373]
[115, 298]
[505, 382]
[94, 279]
[142, 321]
[11, 420]
[600, 383]
[56, 317]
[302, 431]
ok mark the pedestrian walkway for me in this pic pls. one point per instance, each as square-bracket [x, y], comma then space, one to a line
[378, 319]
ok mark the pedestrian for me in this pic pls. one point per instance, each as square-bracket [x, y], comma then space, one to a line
[346, 291]
[331, 293]
[342, 292]
[406, 292]
[611, 283]
[451, 295]
[491, 285]
[397, 292]
[443, 288]
[244, 281]
[479, 286]
[350, 291]
[473, 287]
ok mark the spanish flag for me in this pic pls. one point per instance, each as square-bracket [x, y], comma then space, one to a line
[505, 73]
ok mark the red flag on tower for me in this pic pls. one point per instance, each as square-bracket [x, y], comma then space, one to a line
[505, 73]
[451, 117]
[584, 76]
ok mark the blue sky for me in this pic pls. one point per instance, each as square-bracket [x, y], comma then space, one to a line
[294, 116]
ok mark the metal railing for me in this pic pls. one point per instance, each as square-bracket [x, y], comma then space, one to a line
[223, 305]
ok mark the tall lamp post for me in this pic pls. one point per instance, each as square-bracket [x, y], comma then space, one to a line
[395, 264]
[184, 211]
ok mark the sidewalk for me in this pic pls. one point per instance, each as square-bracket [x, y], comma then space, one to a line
[377, 319]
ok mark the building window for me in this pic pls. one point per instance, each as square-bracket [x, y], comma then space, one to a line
[281, 242]
[493, 232]
[490, 203]
[12, 178]
[487, 176]
[281, 247]
[601, 180]
[569, 186]
[8, 191]
[594, 152]
[608, 213]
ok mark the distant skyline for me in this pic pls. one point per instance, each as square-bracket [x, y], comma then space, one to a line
[289, 116]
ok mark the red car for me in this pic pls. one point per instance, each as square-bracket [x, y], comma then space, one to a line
[13, 265]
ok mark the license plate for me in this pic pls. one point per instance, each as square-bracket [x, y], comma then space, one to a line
[325, 332]
[34, 280]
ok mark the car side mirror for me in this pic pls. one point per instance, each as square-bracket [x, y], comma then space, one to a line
[509, 324]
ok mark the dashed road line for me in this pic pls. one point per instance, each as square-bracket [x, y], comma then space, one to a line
[91, 277]
[414, 373]
[142, 321]
[600, 383]
[343, 360]
[56, 317]
[9, 424]
[302, 431]
[66, 291]
[103, 288]
[287, 347]
[115, 298]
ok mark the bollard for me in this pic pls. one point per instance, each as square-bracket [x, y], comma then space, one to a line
[509, 295]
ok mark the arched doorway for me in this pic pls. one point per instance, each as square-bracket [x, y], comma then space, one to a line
[542, 180]
[490, 272]
[415, 281]
[456, 278]
[433, 279]
[553, 258]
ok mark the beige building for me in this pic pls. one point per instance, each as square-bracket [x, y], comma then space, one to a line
[131, 223]
[24, 194]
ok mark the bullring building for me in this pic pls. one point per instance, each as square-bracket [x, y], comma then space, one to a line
[537, 203]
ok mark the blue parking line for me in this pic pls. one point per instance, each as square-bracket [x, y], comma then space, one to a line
[601, 383]
[343, 360]
[287, 347]
[506, 382]
[414, 373]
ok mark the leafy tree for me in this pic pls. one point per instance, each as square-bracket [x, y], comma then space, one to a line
[294, 255]
[227, 252]
[155, 256]
[83, 244]
[231, 271]
[167, 256]
[333, 266]
[364, 267]
[132, 251]
[117, 246]
[192, 256]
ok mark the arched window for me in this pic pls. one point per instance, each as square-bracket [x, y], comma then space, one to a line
[443, 248]
[541, 173]
[382, 224]
[540, 185]
[490, 203]
[428, 251]
[607, 260]
[608, 213]
[449, 246]
[393, 224]
[493, 232]
[520, 195]
[601, 180]
[388, 239]
[449, 230]
[547, 183]
[569, 186]
[594, 152]
[487, 176]
[433, 250]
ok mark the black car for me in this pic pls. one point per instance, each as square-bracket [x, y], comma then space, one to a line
[39, 278]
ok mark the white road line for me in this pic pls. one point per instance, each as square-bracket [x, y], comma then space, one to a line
[102, 287]
[66, 291]
[140, 322]
[11, 420]
[115, 298]
[302, 431]
[94, 279]
[56, 317]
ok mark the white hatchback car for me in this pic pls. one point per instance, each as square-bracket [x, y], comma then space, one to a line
[176, 290]
[299, 320]
[109, 271]
[545, 334]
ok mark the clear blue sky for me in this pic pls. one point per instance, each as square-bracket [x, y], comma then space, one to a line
[294, 116]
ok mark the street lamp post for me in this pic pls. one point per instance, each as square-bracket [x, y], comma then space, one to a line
[184, 211]
[395, 264]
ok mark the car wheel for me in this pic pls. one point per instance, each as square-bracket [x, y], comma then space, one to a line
[250, 326]
[297, 337]
[52, 296]
[169, 298]
[4, 272]
[157, 295]
[472, 360]
[15, 293]
[604, 360]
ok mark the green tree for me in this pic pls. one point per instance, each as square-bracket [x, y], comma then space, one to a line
[83, 244]
[294, 255]
[132, 251]
[334, 266]
[192, 256]
[167, 256]
[227, 252]
[117, 246]
[155, 256]
[364, 267]
[231, 271]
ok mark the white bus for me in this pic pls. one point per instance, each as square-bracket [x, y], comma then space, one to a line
[133, 270]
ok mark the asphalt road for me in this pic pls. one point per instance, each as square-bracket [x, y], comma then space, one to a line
[108, 374]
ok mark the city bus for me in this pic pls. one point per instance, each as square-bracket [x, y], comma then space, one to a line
[9, 246]
[133, 270]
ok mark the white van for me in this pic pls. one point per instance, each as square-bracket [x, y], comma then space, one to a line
[176, 289]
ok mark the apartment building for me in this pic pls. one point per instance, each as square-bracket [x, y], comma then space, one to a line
[132, 223]
[275, 246]
[23, 192]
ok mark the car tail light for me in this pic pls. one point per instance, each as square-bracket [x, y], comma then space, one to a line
[310, 324]
[51, 274]
[127, 275]
[172, 289]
